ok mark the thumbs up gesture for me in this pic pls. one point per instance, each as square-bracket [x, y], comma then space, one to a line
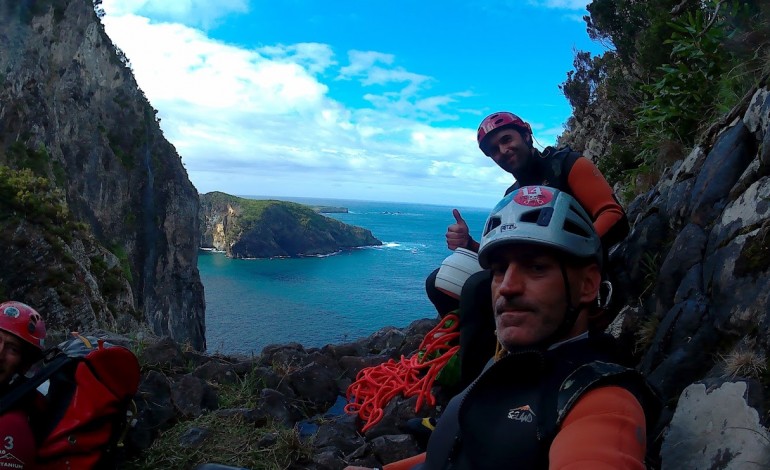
[457, 234]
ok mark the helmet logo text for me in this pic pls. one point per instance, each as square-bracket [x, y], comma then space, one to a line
[533, 196]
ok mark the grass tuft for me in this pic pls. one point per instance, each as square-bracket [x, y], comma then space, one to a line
[646, 333]
[745, 363]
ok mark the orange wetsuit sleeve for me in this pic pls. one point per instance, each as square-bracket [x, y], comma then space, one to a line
[605, 430]
[405, 464]
[595, 195]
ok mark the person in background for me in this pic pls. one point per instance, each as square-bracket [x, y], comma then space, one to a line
[507, 139]
[557, 394]
[22, 340]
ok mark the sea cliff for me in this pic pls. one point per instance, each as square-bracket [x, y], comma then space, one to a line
[116, 242]
[249, 228]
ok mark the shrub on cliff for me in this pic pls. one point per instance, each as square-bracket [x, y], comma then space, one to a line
[24, 196]
[671, 68]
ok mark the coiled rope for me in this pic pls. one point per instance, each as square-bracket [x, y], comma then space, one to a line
[375, 386]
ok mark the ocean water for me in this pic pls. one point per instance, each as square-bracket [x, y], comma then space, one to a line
[342, 297]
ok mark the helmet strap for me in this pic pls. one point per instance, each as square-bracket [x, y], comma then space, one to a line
[571, 313]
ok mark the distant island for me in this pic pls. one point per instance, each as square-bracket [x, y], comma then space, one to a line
[256, 228]
[330, 209]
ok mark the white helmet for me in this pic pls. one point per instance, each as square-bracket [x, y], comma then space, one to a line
[455, 270]
[543, 216]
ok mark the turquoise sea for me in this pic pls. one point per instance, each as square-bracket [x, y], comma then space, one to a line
[331, 299]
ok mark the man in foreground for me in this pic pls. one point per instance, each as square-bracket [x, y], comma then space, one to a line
[22, 340]
[555, 396]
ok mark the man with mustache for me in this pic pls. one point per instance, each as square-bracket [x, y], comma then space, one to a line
[22, 340]
[557, 393]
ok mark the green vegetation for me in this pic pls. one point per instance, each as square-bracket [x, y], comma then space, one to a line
[35, 200]
[646, 333]
[59, 174]
[755, 254]
[126, 157]
[110, 279]
[252, 210]
[650, 269]
[241, 393]
[671, 68]
[98, 8]
[125, 265]
[230, 440]
[26, 157]
[120, 58]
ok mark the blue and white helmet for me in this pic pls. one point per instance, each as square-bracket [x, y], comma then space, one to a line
[544, 216]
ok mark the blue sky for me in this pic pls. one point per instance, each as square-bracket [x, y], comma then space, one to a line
[372, 100]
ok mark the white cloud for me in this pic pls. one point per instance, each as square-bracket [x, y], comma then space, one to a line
[262, 122]
[361, 62]
[174, 63]
[204, 13]
[316, 57]
[561, 4]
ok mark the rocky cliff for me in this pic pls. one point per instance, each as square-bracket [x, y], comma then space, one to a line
[72, 113]
[697, 283]
[247, 228]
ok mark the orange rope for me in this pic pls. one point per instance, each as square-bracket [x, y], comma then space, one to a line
[375, 386]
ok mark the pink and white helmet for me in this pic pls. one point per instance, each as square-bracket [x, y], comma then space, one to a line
[496, 121]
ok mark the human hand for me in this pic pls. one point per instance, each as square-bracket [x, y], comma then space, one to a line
[457, 234]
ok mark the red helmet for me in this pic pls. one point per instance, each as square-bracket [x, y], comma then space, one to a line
[498, 120]
[23, 321]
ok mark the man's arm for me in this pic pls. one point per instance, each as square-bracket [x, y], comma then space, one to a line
[605, 430]
[595, 195]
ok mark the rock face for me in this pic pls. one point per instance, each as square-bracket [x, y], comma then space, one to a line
[715, 426]
[247, 228]
[695, 275]
[71, 111]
